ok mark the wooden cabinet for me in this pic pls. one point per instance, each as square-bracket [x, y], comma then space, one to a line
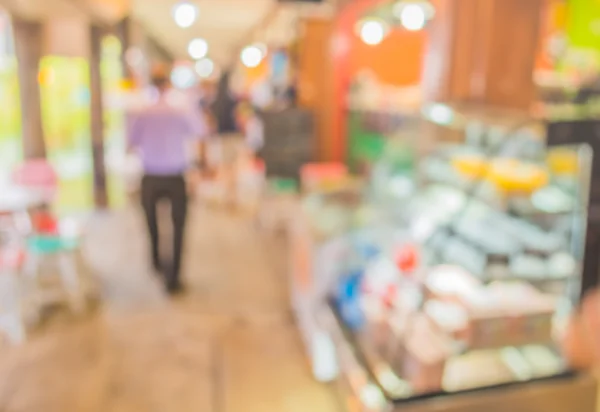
[483, 51]
[315, 79]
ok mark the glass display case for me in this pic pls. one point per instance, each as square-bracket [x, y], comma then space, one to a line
[467, 284]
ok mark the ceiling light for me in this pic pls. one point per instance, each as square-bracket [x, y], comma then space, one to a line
[198, 48]
[372, 32]
[251, 56]
[185, 14]
[413, 17]
[205, 68]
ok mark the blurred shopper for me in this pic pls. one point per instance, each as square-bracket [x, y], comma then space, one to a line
[250, 123]
[161, 133]
[223, 106]
[205, 101]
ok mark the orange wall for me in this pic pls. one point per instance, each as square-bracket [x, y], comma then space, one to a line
[396, 60]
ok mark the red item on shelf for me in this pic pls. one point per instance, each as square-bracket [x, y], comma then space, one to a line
[323, 170]
[45, 223]
[313, 174]
[407, 259]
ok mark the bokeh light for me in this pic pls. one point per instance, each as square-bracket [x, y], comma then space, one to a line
[251, 56]
[198, 49]
[183, 77]
[185, 14]
[205, 68]
[372, 32]
[413, 17]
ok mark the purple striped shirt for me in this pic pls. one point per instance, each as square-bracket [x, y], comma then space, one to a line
[160, 133]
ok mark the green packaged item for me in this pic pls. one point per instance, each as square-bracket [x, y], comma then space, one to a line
[283, 185]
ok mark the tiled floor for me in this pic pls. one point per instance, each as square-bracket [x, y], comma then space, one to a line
[228, 346]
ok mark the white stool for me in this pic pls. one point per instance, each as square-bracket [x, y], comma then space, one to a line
[62, 258]
[12, 311]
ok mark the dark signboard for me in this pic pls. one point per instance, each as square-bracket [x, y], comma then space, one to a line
[289, 141]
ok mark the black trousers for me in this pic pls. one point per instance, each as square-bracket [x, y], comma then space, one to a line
[172, 188]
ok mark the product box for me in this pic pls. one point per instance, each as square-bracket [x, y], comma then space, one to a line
[426, 352]
[509, 314]
[449, 283]
[501, 314]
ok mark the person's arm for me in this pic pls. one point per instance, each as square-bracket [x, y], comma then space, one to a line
[195, 126]
[196, 130]
[581, 344]
[134, 132]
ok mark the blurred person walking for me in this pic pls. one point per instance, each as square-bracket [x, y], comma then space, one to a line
[161, 133]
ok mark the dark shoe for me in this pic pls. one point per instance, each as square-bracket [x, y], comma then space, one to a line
[158, 271]
[175, 289]
[157, 265]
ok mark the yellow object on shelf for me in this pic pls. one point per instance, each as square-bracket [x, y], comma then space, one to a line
[473, 166]
[563, 162]
[512, 175]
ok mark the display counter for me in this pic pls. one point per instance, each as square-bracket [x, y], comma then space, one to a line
[456, 291]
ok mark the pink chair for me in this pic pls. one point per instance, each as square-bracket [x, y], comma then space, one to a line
[38, 175]
[44, 249]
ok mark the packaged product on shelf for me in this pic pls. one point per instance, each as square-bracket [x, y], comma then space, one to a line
[528, 266]
[544, 242]
[380, 287]
[348, 301]
[552, 199]
[450, 284]
[399, 326]
[487, 316]
[377, 328]
[488, 321]
[561, 264]
[533, 238]
[542, 360]
[490, 241]
[509, 314]
[463, 254]
[426, 353]
[451, 318]
[516, 176]
[476, 369]
[497, 267]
